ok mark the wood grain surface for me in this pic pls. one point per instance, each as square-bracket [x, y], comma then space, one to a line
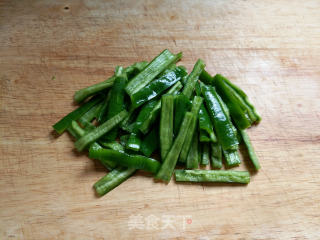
[49, 49]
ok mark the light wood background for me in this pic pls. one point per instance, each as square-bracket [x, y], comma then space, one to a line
[49, 49]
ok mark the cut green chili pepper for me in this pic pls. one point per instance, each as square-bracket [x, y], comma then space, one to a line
[232, 158]
[150, 143]
[167, 167]
[242, 98]
[158, 86]
[86, 119]
[182, 105]
[124, 159]
[134, 142]
[102, 115]
[79, 132]
[116, 102]
[205, 124]
[216, 155]
[131, 71]
[206, 78]
[146, 125]
[205, 154]
[100, 131]
[196, 103]
[204, 137]
[193, 78]
[65, 122]
[166, 124]
[113, 179]
[124, 139]
[192, 158]
[223, 126]
[114, 145]
[154, 68]
[212, 176]
[252, 155]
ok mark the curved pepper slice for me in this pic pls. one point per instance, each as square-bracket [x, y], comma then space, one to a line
[223, 126]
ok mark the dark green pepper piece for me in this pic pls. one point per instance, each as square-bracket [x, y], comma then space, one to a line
[151, 142]
[182, 105]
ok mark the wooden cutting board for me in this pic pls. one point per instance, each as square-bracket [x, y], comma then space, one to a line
[49, 49]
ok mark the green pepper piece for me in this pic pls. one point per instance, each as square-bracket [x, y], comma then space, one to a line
[134, 142]
[116, 102]
[192, 158]
[232, 158]
[154, 68]
[84, 93]
[113, 179]
[212, 176]
[150, 143]
[167, 167]
[216, 155]
[86, 119]
[252, 155]
[193, 78]
[182, 105]
[158, 86]
[65, 122]
[102, 115]
[114, 145]
[205, 123]
[152, 116]
[124, 139]
[242, 98]
[204, 137]
[124, 159]
[222, 124]
[166, 124]
[99, 131]
[206, 78]
[79, 132]
[205, 154]
[196, 103]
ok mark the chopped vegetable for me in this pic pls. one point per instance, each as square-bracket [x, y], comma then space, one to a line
[166, 124]
[99, 131]
[113, 179]
[223, 126]
[232, 158]
[155, 67]
[216, 156]
[182, 105]
[134, 142]
[205, 125]
[193, 78]
[166, 169]
[124, 159]
[252, 155]
[205, 154]
[192, 158]
[212, 176]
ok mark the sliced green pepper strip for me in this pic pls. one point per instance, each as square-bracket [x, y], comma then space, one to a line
[102, 115]
[204, 137]
[154, 68]
[114, 145]
[196, 103]
[222, 124]
[124, 139]
[205, 123]
[166, 169]
[205, 154]
[252, 155]
[166, 124]
[124, 159]
[134, 142]
[212, 176]
[65, 122]
[152, 116]
[193, 78]
[192, 158]
[100, 131]
[242, 98]
[79, 132]
[216, 156]
[232, 158]
[206, 78]
[150, 143]
[131, 71]
[158, 86]
[238, 112]
[116, 102]
[182, 105]
[113, 179]
[86, 119]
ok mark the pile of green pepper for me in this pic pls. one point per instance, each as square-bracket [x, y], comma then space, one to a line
[157, 109]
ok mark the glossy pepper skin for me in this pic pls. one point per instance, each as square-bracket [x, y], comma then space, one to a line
[154, 68]
[192, 159]
[212, 176]
[151, 142]
[182, 104]
[222, 124]
[124, 159]
[116, 101]
[158, 86]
